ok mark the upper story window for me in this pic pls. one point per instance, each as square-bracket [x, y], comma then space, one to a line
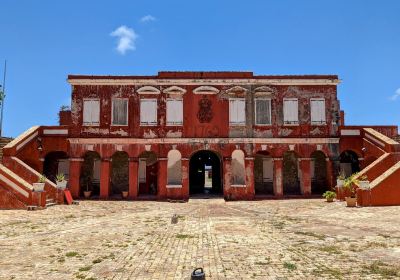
[148, 111]
[318, 115]
[174, 111]
[237, 111]
[290, 111]
[263, 111]
[119, 111]
[91, 112]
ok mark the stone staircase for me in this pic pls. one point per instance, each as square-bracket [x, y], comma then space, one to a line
[397, 138]
[3, 141]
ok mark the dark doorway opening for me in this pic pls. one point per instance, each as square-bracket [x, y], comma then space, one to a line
[148, 170]
[349, 163]
[205, 173]
[56, 163]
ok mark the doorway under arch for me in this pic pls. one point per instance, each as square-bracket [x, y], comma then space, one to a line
[56, 163]
[349, 163]
[205, 173]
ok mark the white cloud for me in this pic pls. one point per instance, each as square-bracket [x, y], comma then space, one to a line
[396, 95]
[148, 18]
[126, 38]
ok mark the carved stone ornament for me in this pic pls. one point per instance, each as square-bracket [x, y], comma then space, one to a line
[205, 113]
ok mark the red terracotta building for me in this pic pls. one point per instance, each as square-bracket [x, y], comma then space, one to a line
[178, 134]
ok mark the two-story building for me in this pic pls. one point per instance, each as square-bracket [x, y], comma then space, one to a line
[180, 133]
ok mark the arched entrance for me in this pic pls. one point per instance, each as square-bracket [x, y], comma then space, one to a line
[349, 163]
[319, 182]
[56, 163]
[291, 182]
[205, 173]
[263, 174]
[90, 173]
[119, 173]
[148, 169]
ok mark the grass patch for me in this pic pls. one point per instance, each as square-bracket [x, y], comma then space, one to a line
[382, 269]
[71, 254]
[312, 234]
[97, 261]
[183, 236]
[85, 268]
[322, 271]
[289, 266]
[330, 249]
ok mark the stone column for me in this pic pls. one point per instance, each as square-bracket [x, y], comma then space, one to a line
[278, 177]
[185, 178]
[249, 177]
[75, 165]
[227, 176]
[133, 177]
[305, 182]
[105, 178]
[162, 178]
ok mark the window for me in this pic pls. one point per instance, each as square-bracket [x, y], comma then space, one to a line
[120, 111]
[174, 112]
[318, 111]
[263, 111]
[148, 111]
[237, 114]
[91, 112]
[290, 111]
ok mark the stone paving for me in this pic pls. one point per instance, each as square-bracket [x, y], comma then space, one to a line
[270, 239]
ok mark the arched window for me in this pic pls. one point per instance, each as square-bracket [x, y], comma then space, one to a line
[238, 174]
[174, 173]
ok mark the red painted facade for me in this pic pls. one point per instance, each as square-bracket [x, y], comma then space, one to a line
[299, 156]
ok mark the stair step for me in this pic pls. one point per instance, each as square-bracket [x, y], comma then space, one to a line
[49, 200]
[50, 204]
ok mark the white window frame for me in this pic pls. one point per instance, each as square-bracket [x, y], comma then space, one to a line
[127, 112]
[291, 123]
[83, 111]
[255, 111]
[311, 119]
[237, 123]
[140, 112]
[166, 112]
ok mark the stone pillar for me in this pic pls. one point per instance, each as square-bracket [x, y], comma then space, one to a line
[185, 178]
[305, 182]
[278, 177]
[227, 176]
[105, 178]
[249, 177]
[133, 177]
[162, 178]
[75, 165]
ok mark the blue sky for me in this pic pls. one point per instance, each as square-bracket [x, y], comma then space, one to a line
[44, 41]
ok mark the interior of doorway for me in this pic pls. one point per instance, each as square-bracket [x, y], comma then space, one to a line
[205, 173]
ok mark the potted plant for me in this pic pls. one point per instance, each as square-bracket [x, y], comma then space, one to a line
[39, 186]
[349, 183]
[329, 195]
[125, 194]
[340, 180]
[87, 193]
[363, 182]
[61, 182]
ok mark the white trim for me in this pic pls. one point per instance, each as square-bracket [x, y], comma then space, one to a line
[148, 141]
[238, 186]
[112, 111]
[173, 186]
[148, 90]
[55, 131]
[350, 132]
[156, 82]
[206, 90]
[373, 139]
[236, 89]
[27, 140]
[14, 186]
[174, 90]
[255, 111]
[264, 91]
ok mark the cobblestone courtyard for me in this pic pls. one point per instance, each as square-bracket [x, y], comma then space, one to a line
[272, 239]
